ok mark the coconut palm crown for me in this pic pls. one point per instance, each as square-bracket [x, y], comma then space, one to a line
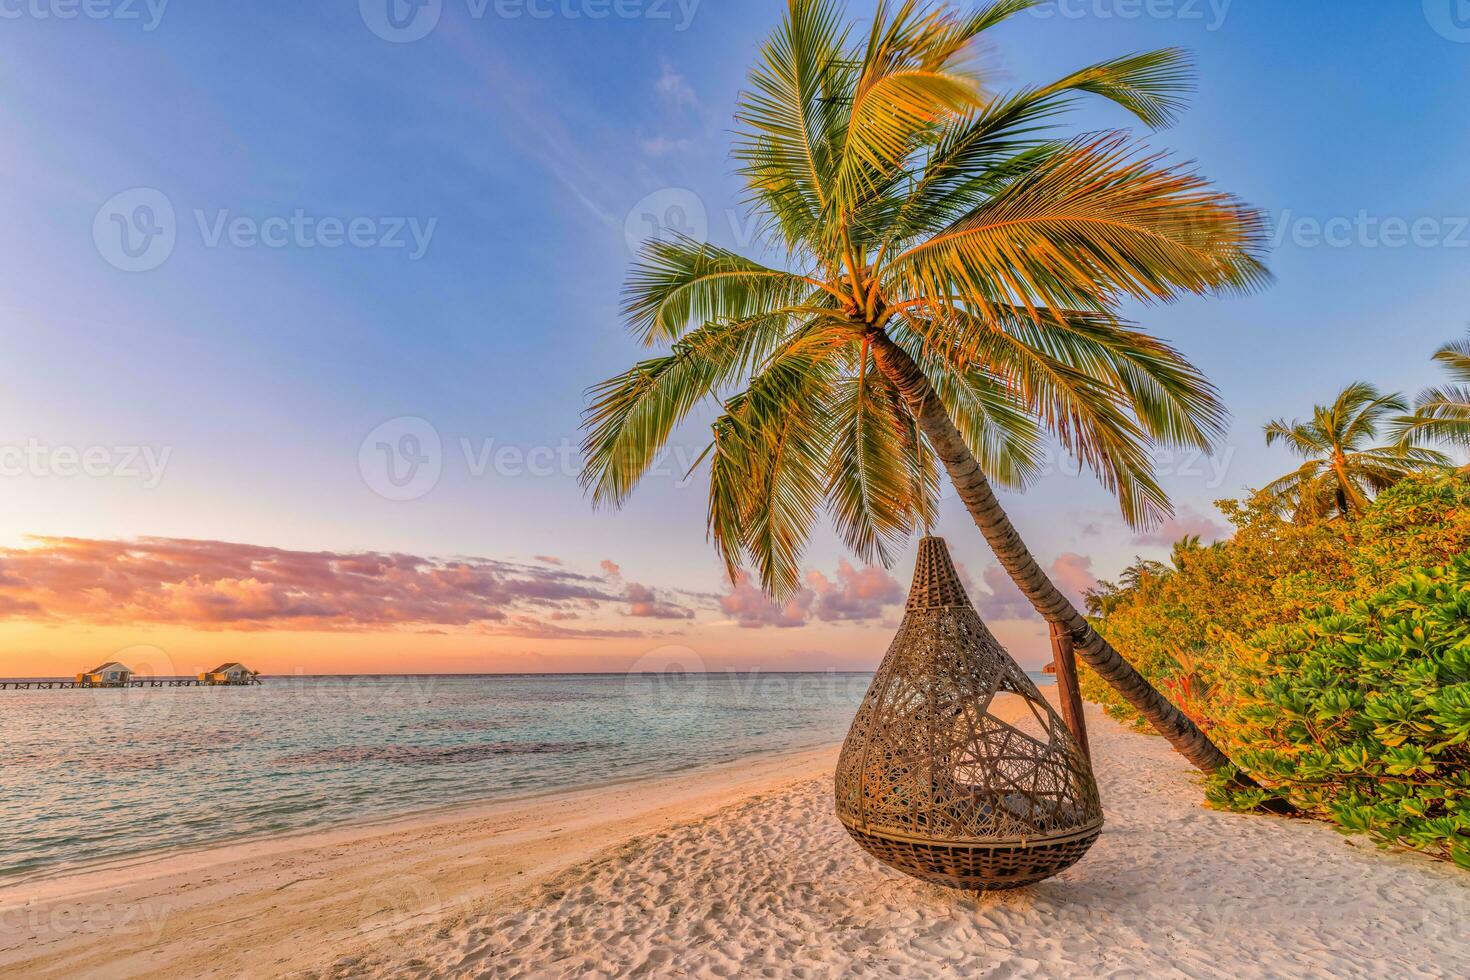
[953, 266]
[1442, 413]
[1343, 470]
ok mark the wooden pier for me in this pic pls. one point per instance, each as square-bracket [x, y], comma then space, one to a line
[115, 675]
[61, 685]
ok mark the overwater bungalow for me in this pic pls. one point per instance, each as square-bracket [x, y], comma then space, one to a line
[230, 675]
[110, 674]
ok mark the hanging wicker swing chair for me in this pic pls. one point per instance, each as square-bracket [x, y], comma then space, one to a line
[931, 783]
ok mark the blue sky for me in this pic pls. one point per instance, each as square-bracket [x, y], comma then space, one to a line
[520, 146]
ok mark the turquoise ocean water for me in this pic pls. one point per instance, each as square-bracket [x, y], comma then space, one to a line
[103, 774]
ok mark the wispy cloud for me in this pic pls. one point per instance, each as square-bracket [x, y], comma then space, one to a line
[661, 146]
[674, 90]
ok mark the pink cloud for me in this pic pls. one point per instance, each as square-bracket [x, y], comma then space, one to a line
[223, 585]
[644, 602]
[611, 569]
[548, 559]
[853, 595]
[857, 594]
[1073, 575]
[1071, 572]
[1188, 521]
[749, 606]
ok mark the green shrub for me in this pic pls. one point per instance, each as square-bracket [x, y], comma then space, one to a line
[1363, 716]
[1181, 626]
[1327, 659]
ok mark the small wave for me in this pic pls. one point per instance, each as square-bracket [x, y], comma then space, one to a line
[429, 755]
[461, 724]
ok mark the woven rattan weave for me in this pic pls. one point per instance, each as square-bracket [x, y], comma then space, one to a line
[932, 783]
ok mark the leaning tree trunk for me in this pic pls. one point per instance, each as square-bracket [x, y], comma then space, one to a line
[899, 368]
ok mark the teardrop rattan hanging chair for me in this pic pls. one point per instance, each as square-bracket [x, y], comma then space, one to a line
[932, 783]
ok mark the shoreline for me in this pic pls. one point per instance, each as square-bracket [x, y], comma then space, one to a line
[742, 869]
[466, 808]
[161, 913]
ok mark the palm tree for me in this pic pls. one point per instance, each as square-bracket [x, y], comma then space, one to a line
[1343, 470]
[949, 296]
[1443, 414]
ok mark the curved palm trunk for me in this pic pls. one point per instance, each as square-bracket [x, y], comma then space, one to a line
[1005, 540]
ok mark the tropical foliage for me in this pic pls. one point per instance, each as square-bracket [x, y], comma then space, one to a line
[1442, 413]
[1252, 635]
[1363, 716]
[1343, 469]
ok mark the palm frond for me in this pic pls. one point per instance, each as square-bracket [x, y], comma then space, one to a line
[980, 153]
[1440, 414]
[632, 415]
[789, 114]
[1304, 439]
[867, 482]
[1090, 227]
[910, 79]
[683, 282]
[1001, 431]
[768, 462]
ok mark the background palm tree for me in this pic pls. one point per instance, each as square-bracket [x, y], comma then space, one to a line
[1343, 469]
[1442, 414]
[949, 297]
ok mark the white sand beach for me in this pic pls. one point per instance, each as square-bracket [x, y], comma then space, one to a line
[744, 871]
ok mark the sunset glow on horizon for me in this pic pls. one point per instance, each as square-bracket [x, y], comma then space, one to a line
[176, 607]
